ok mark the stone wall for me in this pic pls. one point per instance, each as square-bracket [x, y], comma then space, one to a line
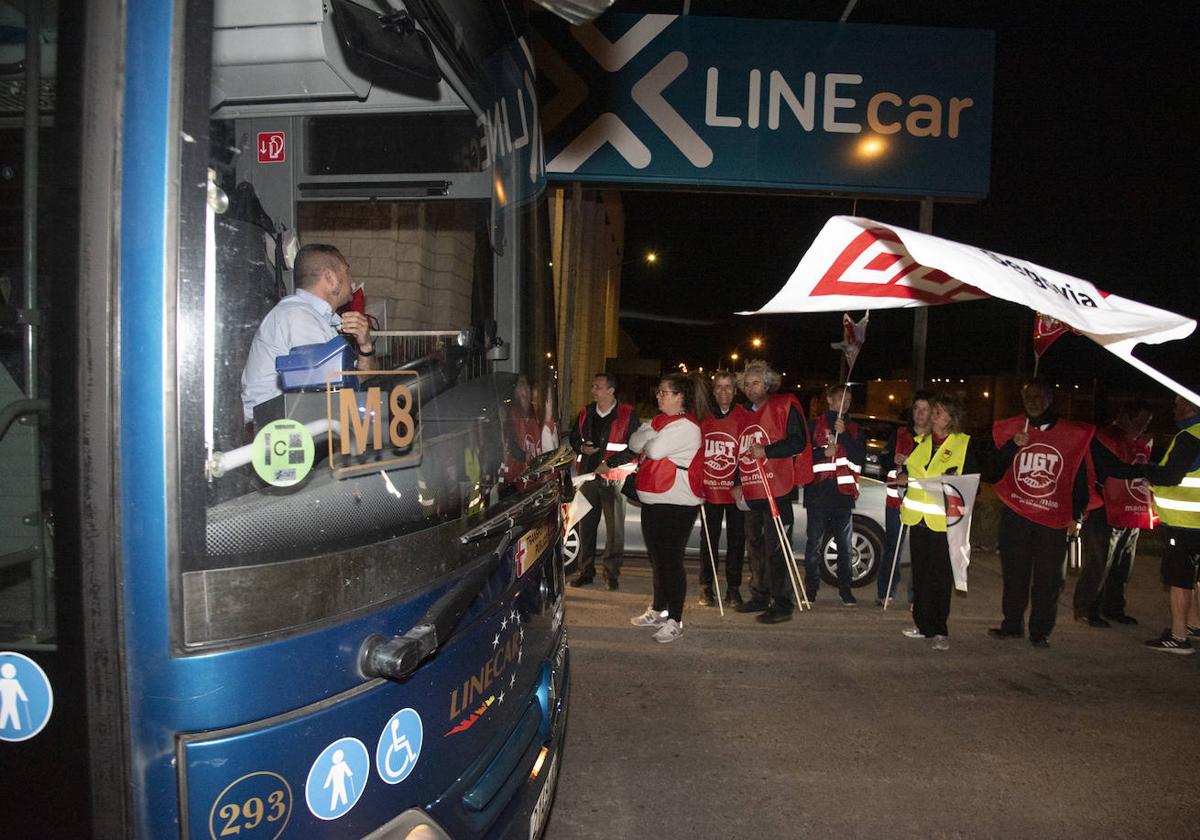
[419, 257]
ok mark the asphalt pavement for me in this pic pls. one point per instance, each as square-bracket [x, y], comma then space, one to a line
[836, 725]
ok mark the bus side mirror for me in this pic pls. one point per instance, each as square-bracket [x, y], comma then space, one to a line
[387, 49]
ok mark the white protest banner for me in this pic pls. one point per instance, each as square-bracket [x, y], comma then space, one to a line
[859, 263]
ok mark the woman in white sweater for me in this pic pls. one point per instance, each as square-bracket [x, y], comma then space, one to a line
[669, 487]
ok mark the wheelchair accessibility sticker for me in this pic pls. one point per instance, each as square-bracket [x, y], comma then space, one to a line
[337, 778]
[26, 698]
[399, 746]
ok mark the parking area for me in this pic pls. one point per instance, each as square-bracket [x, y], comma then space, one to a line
[835, 725]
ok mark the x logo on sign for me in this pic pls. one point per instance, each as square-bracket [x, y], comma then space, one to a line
[647, 93]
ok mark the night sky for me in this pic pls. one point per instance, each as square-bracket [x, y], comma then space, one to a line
[1093, 174]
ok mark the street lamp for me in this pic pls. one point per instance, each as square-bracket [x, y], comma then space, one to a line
[756, 342]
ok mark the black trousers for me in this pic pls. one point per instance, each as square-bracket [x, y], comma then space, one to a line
[735, 544]
[932, 579]
[1031, 561]
[666, 529]
[1103, 546]
[769, 578]
[605, 497]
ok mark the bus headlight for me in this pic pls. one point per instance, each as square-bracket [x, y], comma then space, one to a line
[413, 824]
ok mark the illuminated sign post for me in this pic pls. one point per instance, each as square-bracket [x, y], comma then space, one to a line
[768, 103]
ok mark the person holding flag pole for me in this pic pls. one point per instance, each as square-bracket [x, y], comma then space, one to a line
[838, 454]
[943, 451]
[893, 457]
[772, 462]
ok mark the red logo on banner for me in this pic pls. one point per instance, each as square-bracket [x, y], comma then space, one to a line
[875, 264]
[270, 147]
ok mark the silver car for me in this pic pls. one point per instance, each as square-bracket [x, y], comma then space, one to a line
[864, 559]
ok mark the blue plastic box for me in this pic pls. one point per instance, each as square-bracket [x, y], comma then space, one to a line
[308, 368]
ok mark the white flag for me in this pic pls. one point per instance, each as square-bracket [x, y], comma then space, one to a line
[853, 336]
[579, 506]
[859, 263]
[960, 492]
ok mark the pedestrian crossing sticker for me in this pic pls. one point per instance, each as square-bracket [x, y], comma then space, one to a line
[26, 698]
[337, 778]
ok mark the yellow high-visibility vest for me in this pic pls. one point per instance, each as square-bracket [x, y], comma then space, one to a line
[919, 502]
[1179, 505]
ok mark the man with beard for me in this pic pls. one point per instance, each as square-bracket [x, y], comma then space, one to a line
[773, 432]
[1044, 489]
[308, 316]
[720, 466]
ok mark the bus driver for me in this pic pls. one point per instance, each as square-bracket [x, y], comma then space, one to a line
[308, 316]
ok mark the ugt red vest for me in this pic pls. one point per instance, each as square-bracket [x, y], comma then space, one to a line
[720, 455]
[1126, 504]
[766, 426]
[1038, 484]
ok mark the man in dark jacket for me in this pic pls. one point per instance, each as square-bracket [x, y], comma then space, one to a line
[838, 453]
[601, 431]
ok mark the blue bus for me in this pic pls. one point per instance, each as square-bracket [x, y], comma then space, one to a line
[338, 611]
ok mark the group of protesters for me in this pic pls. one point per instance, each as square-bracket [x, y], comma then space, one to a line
[740, 465]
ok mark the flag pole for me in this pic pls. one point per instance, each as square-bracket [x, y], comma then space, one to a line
[712, 557]
[785, 545]
[887, 595]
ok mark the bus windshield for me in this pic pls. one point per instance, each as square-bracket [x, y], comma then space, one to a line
[348, 489]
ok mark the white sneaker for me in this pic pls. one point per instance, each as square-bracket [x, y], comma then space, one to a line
[650, 618]
[941, 643]
[669, 632]
[913, 633]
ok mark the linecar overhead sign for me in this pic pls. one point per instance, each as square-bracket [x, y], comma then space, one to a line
[767, 103]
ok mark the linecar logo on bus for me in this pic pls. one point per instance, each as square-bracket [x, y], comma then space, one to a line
[271, 147]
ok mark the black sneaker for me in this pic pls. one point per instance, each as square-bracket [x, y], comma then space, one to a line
[581, 581]
[733, 598]
[1092, 621]
[613, 585]
[1121, 618]
[1193, 632]
[774, 615]
[1040, 642]
[706, 598]
[1169, 644]
[848, 600]
[752, 606]
[1001, 633]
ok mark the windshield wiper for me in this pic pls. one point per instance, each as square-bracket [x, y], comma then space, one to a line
[397, 658]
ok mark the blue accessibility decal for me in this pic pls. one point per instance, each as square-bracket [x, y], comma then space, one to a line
[26, 698]
[337, 778]
[399, 746]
